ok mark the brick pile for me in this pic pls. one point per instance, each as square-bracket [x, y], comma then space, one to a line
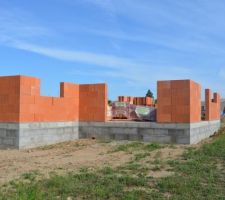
[141, 101]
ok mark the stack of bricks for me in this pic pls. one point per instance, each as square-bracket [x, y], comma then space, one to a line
[123, 99]
[141, 101]
[20, 101]
[126, 99]
[145, 101]
[212, 106]
[178, 101]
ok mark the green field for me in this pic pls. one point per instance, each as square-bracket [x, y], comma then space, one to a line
[199, 173]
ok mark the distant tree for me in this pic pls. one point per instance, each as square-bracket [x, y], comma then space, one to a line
[109, 102]
[149, 94]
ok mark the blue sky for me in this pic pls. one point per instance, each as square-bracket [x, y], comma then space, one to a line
[130, 44]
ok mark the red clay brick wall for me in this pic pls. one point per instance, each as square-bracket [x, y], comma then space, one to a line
[29, 90]
[36, 108]
[178, 101]
[20, 101]
[69, 90]
[195, 102]
[93, 102]
[212, 105]
[9, 98]
[164, 101]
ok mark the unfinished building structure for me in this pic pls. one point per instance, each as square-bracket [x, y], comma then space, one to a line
[28, 119]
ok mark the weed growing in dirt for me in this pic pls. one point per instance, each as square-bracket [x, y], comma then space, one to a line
[137, 146]
[129, 147]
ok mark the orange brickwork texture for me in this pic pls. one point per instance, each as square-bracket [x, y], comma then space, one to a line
[212, 111]
[20, 101]
[9, 98]
[93, 102]
[36, 108]
[141, 101]
[178, 101]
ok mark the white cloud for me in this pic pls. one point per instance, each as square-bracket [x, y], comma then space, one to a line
[108, 61]
[111, 66]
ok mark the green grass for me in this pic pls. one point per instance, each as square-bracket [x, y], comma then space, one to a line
[103, 184]
[140, 156]
[30, 175]
[198, 174]
[137, 146]
[129, 147]
[104, 141]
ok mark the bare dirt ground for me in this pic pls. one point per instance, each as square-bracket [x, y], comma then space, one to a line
[69, 156]
[60, 157]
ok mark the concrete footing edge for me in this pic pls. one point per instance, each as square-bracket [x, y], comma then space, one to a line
[29, 135]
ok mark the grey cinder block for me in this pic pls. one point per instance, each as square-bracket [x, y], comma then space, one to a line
[28, 135]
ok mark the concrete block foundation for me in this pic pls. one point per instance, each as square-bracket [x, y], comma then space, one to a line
[150, 131]
[29, 135]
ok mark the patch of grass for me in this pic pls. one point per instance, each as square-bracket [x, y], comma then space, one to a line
[133, 169]
[137, 146]
[104, 141]
[103, 184]
[129, 147]
[197, 175]
[156, 168]
[132, 166]
[152, 146]
[30, 175]
[173, 163]
[140, 156]
[158, 162]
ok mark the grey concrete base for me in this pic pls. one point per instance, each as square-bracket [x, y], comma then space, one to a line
[29, 135]
[149, 131]
[9, 135]
[203, 130]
